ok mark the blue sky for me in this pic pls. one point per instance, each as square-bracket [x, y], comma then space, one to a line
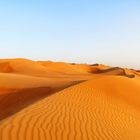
[83, 31]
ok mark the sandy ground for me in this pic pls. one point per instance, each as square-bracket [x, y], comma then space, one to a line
[47, 100]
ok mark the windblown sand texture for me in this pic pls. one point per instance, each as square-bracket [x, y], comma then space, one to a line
[44, 100]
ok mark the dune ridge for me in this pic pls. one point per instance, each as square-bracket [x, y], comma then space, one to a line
[13, 100]
[40, 68]
[78, 112]
[44, 100]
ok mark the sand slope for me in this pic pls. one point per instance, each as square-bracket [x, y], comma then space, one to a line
[18, 91]
[92, 110]
[23, 82]
[5, 67]
[44, 100]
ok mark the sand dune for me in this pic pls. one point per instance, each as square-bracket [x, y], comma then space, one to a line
[117, 71]
[38, 67]
[19, 89]
[14, 100]
[6, 68]
[24, 66]
[79, 112]
[43, 100]
[16, 81]
[44, 68]
[66, 68]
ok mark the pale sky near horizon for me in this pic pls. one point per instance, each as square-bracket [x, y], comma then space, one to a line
[83, 31]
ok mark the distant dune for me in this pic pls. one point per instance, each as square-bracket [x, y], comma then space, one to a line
[117, 71]
[44, 100]
[5, 67]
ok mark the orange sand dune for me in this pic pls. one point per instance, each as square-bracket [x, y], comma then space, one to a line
[24, 66]
[73, 67]
[93, 110]
[13, 100]
[66, 68]
[5, 67]
[19, 89]
[16, 81]
[44, 100]
[42, 67]
[45, 68]
[117, 71]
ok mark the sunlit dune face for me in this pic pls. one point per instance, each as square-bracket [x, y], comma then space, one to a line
[44, 100]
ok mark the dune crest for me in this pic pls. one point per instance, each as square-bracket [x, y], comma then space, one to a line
[44, 100]
[78, 112]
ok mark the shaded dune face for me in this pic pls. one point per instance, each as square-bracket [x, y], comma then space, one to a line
[13, 100]
[137, 73]
[79, 112]
[115, 71]
[6, 67]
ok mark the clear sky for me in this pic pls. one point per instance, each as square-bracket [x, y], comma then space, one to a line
[84, 31]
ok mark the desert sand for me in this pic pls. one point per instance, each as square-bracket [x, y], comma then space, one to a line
[45, 100]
